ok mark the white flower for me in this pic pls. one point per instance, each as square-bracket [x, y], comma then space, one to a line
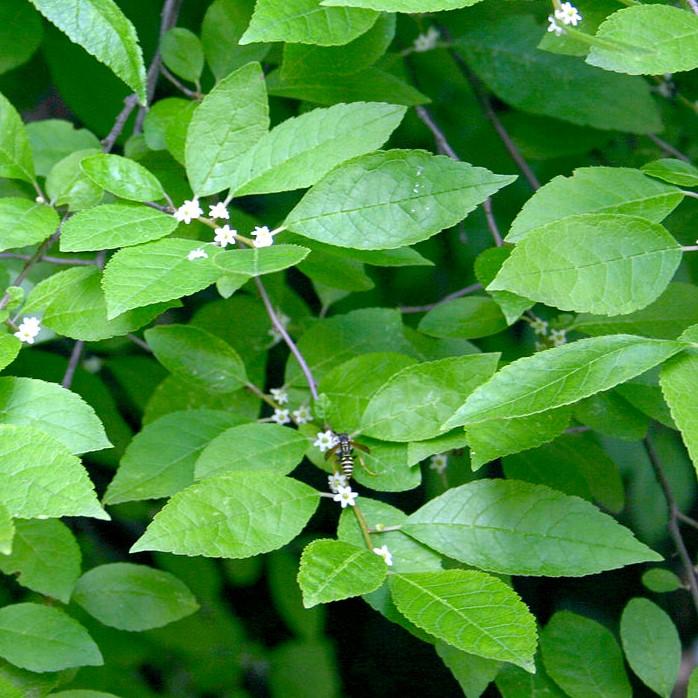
[558, 337]
[426, 42]
[280, 416]
[325, 440]
[28, 330]
[540, 346]
[280, 395]
[263, 237]
[302, 415]
[346, 497]
[198, 253]
[93, 364]
[385, 554]
[40, 199]
[189, 210]
[225, 236]
[554, 26]
[568, 14]
[218, 211]
[335, 481]
[539, 326]
[439, 462]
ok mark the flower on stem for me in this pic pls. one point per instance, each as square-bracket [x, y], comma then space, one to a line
[189, 210]
[346, 497]
[280, 416]
[426, 42]
[279, 395]
[302, 415]
[224, 236]
[385, 554]
[568, 14]
[325, 440]
[554, 26]
[539, 326]
[558, 337]
[439, 463]
[198, 253]
[218, 211]
[28, 330]
[263, 237]
[335, 481]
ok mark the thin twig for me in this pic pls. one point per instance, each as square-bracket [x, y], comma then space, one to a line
[687, 519]
[668, 148]
[385, 529]
[192, 94]
[122, 117]
[674, 517]
[694, 5]
[279, 326]
[689, 248]
[450, 297]
[73, 363]
[363, 526]
[139, 342]
[52, 260]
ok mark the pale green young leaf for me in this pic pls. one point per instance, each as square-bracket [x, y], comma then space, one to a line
[229, 121]
[50, 408]
[9, 348]
[161, 116]
[260, 260]
[647, 40]
[15, 152]
[24, 222]
[466, 318]
[514, 527]
[469, 610]
[473, 673]
[391, 199]
[413, 404]
[160, 459]
[103, 31]
[252, 447]
[606, 264]
[306, 22]
[197, 356]
[596, 190]
[40, 638]
[651, 644]
[45, 557]
[67, 184]
[52, 140]
[561, 376]
[21, 32]
[133, 597]
[303, 149]
[661, 581]
[114, 225]
[583, 658]
[235, 515]
[412, 6]
[123, 177]
[7, 534]
[675, 171]
[155, 272]
[331, 570]
[387, 467]
[182, 53]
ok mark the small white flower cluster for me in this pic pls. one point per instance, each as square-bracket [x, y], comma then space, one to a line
[335, 481]
[281, 416]
[302, 415]
[188, 211]
[218, 211]
[263, 237]
[567, 14]
[325, 440]
[198, 253]
[345, 496]
[426, 42]
[385, 554]
[439, 463]
[279, 395]
[28, 330]
[224, 236]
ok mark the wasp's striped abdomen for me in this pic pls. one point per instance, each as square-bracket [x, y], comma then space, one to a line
[345, 456]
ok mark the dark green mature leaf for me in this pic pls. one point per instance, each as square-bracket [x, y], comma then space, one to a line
[15, 152]
[234, 515]
[229, 121]
[24, 222]
[387, 467]
[561, 376]
[611, 414]
[40, 638]
[505, 55]
[67, 184]
[123, 177]
[661, 581]
[53, 139]
[647, 40]
[133, 597]
[331, 570]
[306, 22]
[402, 5]
[675, 171]
[473, 673]
[20, 33]
[514, 527]
[470, 610]
[258, 261]
[391, 198]
[583, 658]
[182, 53]
[103, 31]
[652, 645]
[467, 318]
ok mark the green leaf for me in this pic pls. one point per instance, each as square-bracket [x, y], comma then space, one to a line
[15, 152]
[473, 673]
[50, 408]
[471, 611]
[623, 264]
[54, 139]
[661, 581]
[197, 356]
[413, 404]
[466, 318]
[160, 459]
[513, 682]
[20, 34]
[647, 40]
[155, 272]
[303, 149]
[391, 198]
[611, 414]
[418, 451]
[252, 447]
[182, 53]
[234, 515]
[24, 222]
[504, 54]
[514, 527]
[103, 31]
[331, 570]
[46, 557]
[258, 261]
[40, 638]
[123, 177]
[9, 348]
[620, 190]
[414, 6]
[561, 376]
[675, 171]
[133, 597]
[7, 534]
[229, 121]
[82, 693]
[502, 437]
[651, 644]
[114, 225]
[583, 658]
[387, 468]
[306, 22]
[679, 382]
[41, 478]
[67, 184]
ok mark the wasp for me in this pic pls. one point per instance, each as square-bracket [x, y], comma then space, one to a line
[344, 452]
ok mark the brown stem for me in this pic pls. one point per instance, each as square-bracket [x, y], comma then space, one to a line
[668, 148]
[451, 296]
[192, 94]
[363, 526]
[73, 363]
